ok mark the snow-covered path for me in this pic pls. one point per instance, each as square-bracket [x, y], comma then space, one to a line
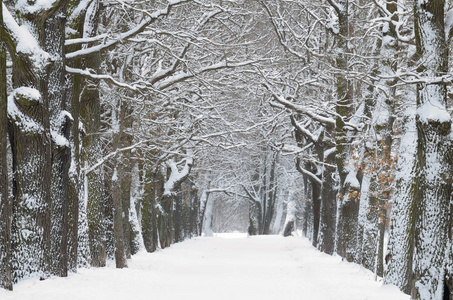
[267, 267]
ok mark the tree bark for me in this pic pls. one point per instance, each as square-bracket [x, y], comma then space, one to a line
[433, 185]
[32, 159]
[327, 227]
[5, 202]
[348, 194]
[60, 126]
[272, 193]
[120, 205]
[90, 112]
[153, 190]
[379, 159]
[401, 237]
[120, 255]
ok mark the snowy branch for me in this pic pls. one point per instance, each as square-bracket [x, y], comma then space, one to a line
[110, 155]
[304, 131]
[86, 40]
[161, 74]
[307, 173]
[126, 35]
[108, 78]
[298, 108]
[249, 195]
[177, 177]
[181, 76]
[20, 40]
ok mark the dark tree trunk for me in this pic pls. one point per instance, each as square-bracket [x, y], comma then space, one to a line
[5, 202]
[195, 212]
[272, 194]
[153, 187]
[120, 255]
[255, 215]
[348, 210]
[129, 235]
[399, 257]
[307, 207]
[433, 188]
[316, 200]
[328, 209]
[178, 217]
[165, 221]
[90, 112]
[263, 196]
[120, 192]
[31, 148]
[288, 229]
[75, 199]
[60, 123]
[347, 230]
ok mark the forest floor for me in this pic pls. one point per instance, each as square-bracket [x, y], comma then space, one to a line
[229, 266]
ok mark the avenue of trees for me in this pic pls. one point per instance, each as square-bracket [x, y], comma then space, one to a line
[129, 125]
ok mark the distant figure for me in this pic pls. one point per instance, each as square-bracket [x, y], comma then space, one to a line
[288, 228]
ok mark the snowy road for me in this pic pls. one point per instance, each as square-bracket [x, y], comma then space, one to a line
[269, 267]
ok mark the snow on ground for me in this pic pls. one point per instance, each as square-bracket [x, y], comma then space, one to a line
[222, 267]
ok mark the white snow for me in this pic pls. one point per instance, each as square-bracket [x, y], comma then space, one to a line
[59, 139]
[222, 267]
[90, 17]
[81, 8]
[115, 175]
[25, 42]
[175, 174]
[22, 120]
[433, 111]
[448, 22]
[351, 178]
[26, 6]
[28, 92]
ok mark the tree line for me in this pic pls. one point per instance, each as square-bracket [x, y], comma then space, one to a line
[104, 104]
[375, 130]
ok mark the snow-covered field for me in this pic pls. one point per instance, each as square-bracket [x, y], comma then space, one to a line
[223, 267]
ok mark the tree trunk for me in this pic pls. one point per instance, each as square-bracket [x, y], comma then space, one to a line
[194, 212]
[255, 216]
[120, 255]
[31, 148]
[307, 207]
[272, 193]
[433, 188]
[165, 221]
[77, 252]
[136, 200]
[348, 193]
[178, 217]
[326, 241]
[316, 200]
[129, 234]
[379, 161]
[5, 202]
[147, 213]
[60, 123]
[290, 221]
[90, 112]
[400, 247]
[263, 195]
[150, 210]
[121, 223]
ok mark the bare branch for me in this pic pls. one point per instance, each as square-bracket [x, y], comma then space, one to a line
[126, 35]
[307, 173]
